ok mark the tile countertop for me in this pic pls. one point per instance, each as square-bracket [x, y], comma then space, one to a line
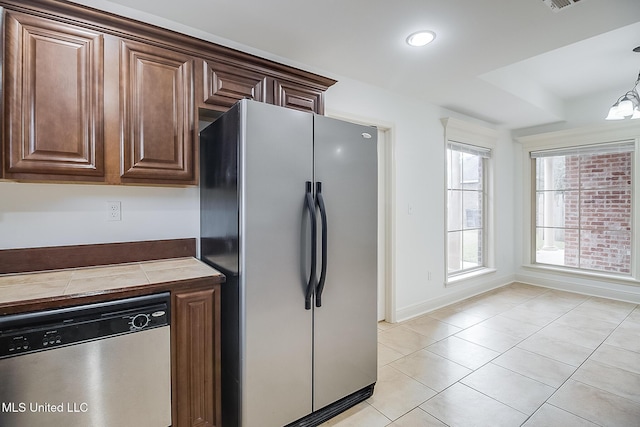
[68, 283]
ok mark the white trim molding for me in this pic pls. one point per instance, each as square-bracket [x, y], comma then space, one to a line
[457, 295]
[581, 136]
[584, 287]
[469, 133]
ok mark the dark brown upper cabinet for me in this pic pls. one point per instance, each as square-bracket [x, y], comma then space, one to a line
[223, 85]
[90, 96]
[157, 114]
[53, 100]
[298, 96]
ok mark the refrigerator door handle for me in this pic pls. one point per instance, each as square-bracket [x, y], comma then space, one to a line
[311, 284]
[323, 268]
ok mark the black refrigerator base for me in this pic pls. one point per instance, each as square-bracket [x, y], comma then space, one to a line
[321, 415]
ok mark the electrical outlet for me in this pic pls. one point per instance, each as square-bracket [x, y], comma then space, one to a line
[114, 211]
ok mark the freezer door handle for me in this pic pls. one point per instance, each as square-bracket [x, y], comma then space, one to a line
[323, 220]
[311, 284]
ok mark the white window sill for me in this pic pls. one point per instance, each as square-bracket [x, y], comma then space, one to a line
[595, 275]
[458, 278]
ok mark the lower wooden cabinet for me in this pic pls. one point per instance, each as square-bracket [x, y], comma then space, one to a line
[196, 357]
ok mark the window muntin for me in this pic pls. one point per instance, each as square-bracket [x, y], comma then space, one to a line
[583, 207]
[466, 207]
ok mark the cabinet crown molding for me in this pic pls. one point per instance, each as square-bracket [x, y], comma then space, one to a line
[120, 26]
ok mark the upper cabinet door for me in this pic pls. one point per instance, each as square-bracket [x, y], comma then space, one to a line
[90, 97]
[53, 100]
[223, 85]
[157, 114]
[299, 97]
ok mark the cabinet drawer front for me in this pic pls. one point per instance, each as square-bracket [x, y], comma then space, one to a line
[54, 97]
[156, 110]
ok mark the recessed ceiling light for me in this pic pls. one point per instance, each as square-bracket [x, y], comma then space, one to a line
[421, 38]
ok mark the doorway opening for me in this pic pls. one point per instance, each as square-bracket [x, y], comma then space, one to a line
[386, 290]
[386, 214]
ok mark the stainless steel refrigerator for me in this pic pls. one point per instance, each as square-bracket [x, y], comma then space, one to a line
[289, 214]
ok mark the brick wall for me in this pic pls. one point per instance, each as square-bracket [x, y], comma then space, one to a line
[599, 238]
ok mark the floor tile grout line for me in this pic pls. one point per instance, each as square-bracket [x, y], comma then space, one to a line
[547, 399]
[576, 370]
[459, 381]
[587, 359]
[518, 373]
[502, 353]
[564, 311]
[579, 416]
[376, 409]
[468, 386]
[605, 391]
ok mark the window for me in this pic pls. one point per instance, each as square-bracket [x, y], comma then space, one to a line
[466, 207]
[583, 207]
[469, 242]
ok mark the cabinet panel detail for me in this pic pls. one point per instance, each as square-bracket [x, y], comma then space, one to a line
[53, 84]
[225, 84]
[156, 108]
[197, 358]
[299, 97]
[90, 96]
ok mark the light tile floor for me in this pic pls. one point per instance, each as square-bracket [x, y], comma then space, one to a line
[520, 355]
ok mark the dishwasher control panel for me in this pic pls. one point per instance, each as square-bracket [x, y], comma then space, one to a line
[37, 331]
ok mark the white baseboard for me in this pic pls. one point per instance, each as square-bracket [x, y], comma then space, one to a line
[457, 294]
[605, 290]
[463, 292]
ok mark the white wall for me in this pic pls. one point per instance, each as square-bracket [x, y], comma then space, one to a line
[59, 214]
[419, 151]
[33, 215]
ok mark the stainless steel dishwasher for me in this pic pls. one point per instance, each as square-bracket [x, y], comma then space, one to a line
[97, 365]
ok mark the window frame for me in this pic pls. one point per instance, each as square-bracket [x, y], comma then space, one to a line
[575, 138]
[461, 133]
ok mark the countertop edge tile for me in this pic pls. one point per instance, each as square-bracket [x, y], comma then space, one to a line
[172, 270]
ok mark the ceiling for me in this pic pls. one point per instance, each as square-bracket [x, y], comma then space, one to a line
[513, 63]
